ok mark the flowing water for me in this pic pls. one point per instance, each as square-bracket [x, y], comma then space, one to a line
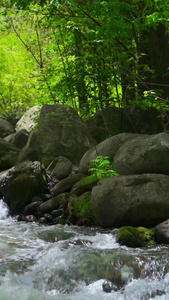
[76, 263]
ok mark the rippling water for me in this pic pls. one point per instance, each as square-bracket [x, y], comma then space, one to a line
[75, 263]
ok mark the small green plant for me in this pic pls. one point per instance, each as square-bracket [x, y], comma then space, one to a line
[101, 167]
[81, 210]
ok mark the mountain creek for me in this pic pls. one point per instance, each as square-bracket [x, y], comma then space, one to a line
[68, 262]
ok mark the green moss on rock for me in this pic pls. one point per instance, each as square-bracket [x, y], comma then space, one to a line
[136, 237]
[81, 210]
[84, 185]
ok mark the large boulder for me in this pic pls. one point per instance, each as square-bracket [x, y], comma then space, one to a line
[133, 200]
[60, 168]
[20, 184]
[5, 128]
[29, 120]
[144, 154]
[61, 132]
[108, 147]
[8, 155]
[113, 120]
[18, 139]
[162, 232]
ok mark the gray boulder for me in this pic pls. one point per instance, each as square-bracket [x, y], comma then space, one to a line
[61, 132]
[108, 147]
[5, 128]
[133, 200]
[84, 185]
[8, 155]
[18, 139]
[52, 204]
[144, 154]
[162, 232]
[60, 168]
[20, 184]
[29, 120]
[32, 208]
[66, 184]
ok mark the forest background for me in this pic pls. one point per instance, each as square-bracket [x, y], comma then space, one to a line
[88, 54]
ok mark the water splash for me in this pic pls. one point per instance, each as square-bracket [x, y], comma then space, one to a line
[4, 211]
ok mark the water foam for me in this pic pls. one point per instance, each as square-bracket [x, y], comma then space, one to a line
[4, 211]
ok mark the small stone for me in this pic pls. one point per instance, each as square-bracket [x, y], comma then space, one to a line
[109, 286]
[48, 218]
[42, 220]
[57, 220]
[57, 213]
[30, 218]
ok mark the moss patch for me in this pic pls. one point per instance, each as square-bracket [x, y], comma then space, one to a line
[136, 237]
[81, 210]
[84, 185]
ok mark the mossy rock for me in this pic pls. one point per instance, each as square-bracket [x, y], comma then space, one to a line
[21, 183]
[136, 237]
[84, 185]
[66, 184]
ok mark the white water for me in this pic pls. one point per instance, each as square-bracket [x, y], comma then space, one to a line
[72, 263]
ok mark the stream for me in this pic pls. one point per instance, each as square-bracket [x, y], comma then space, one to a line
[40, 262]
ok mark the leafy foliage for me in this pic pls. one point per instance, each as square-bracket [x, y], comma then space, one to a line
[81, 210]
[101, 167]
[89, 54]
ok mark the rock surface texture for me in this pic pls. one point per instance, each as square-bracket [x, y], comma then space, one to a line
[162, 233]
[108, 147]
[20, 184]
[144, 154]
[5, 128]
[8, 155]
[61, 132]
[133, 200]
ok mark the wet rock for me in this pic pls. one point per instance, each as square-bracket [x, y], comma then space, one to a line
[135, 237]
[48, 218]
[144, 154]
[58, 220]
[84, 185]
[42, 220]
[20, 184]
[31, 218]
[108, 287]
[60, 168]
[32, 208]
[28, 218]
[52, 204]
[162, 233]
[131, 200]
[66, 184]
[57, 213]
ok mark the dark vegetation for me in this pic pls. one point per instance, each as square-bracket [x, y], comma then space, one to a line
[87, 54]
